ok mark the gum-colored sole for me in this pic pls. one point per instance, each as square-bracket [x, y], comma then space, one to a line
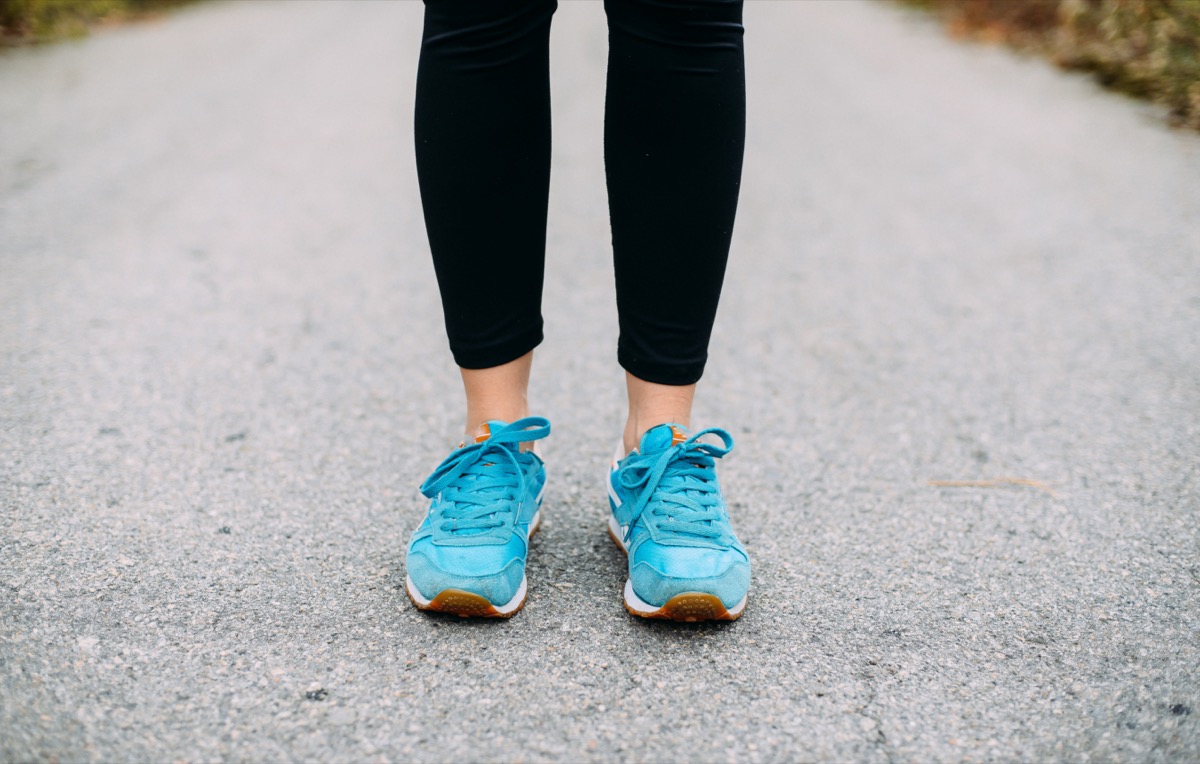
[688, 607]
[465, 605]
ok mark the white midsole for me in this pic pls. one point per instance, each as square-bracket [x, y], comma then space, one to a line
[615, 528]
[617, 531]
[617, 456]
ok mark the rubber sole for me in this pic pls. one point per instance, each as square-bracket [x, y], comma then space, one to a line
[688, 607]
[466, 604]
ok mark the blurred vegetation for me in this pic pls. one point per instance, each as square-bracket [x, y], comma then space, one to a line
[1147, 48]
[25, 21]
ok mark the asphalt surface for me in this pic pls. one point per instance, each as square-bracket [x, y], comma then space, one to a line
[223, 375]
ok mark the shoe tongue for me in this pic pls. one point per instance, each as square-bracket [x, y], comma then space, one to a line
[662, 437]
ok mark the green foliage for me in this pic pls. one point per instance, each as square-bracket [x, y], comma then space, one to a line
[1147, 48]
[40, 20]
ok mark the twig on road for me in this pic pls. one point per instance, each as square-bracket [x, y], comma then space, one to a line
[995, 483]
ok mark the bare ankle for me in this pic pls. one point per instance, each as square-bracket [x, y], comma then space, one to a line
[477, 420]
[497, 393]
[653, 404]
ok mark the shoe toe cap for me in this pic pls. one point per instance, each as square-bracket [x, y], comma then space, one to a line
[486, 571]
[659, 574]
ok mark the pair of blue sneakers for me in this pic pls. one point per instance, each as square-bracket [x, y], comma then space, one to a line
[668, 515]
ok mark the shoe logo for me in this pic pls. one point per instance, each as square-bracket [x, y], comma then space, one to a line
[486, 432]
[677, 436]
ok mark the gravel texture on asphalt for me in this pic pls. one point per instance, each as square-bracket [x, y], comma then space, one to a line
[223, 375]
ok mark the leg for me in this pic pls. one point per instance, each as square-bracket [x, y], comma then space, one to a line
[500, 392]
[674, 136]
[652, 404]
[483, 161]
[482, 132]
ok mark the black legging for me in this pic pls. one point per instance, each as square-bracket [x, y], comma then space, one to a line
[674, 133]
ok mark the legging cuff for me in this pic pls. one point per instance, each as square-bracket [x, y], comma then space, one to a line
[486, 357]
[660, 373]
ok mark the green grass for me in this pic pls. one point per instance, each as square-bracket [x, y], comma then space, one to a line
[33, 21]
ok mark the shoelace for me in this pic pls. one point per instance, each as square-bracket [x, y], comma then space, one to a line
[480, 483]
[677, 486]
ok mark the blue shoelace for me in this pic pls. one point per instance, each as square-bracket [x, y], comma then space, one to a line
[480, 484]
[677, 488]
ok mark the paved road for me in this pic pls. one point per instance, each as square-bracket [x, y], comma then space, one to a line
[222, 375]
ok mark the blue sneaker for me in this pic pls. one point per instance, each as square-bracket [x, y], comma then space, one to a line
[468, 556]
[668, 515]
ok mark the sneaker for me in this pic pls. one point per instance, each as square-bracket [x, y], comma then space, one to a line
[668, 515]
[468, 556]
